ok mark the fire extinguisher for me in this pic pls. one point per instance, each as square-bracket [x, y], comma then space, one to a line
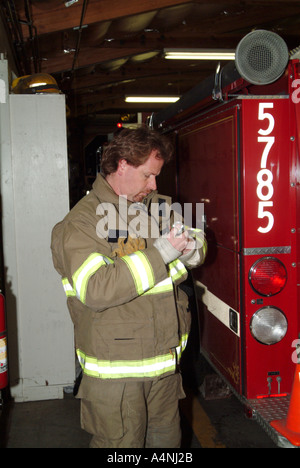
[3, 346]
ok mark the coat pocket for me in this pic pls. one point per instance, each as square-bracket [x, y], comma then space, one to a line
[118, 342]
[103, 416]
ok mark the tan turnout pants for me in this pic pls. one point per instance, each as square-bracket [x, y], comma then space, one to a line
[135, 414]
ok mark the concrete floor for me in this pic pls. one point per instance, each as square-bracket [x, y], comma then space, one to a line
[51, 424]
[43, 424]
[217, 423]
[206, 423]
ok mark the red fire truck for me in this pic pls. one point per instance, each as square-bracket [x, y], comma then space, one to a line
[237, 152]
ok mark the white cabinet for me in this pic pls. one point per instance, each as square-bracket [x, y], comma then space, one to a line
[35, 196]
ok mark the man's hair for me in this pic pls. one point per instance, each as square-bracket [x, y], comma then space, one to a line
[135, 147]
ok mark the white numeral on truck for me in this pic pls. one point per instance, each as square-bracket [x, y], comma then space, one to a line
[265, 188]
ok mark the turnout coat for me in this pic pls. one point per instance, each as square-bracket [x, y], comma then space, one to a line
[131, 320]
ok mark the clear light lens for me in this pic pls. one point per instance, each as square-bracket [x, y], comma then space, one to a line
[268, 276]
[268, 325]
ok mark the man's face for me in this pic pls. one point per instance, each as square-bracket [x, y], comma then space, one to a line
[138, 182]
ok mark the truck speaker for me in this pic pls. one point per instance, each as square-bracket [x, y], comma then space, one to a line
[261, 57]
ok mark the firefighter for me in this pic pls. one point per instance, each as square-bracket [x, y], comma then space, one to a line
[131, 320]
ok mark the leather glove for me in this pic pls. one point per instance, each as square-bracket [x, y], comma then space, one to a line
[128, 246]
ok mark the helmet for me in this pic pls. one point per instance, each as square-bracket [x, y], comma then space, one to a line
[34, 84]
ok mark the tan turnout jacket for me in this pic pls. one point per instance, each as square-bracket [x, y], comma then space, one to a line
[131, 321]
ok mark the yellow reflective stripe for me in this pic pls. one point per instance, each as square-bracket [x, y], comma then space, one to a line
[199, 235]
[161, 287]
[68, 288]
[85, 271]
[182, 345]
[141, 271]
[177, 270]
[105, 369]
[204, 247]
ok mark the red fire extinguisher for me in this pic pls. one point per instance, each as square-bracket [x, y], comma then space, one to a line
[3, 346]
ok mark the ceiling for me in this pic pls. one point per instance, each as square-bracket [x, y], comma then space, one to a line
[99, 51]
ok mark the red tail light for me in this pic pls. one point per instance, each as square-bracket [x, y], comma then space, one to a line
[268, 276]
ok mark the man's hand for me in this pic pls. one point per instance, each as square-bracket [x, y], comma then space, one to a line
[179, 240]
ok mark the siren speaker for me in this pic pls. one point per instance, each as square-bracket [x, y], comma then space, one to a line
[261, 57]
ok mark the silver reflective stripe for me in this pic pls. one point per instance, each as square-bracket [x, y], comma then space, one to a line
[177, 270]
[162, 287]
[151, 367]
[105, 369]
[139, 267]
[182, 345]
[141, 271]
[87, 269]
[68, 288]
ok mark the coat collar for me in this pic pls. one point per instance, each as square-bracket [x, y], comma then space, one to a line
[104, 192]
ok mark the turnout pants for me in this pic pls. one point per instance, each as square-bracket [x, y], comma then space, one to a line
[135, 414]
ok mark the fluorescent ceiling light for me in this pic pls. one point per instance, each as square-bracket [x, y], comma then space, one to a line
[162, 99]
[199, 54]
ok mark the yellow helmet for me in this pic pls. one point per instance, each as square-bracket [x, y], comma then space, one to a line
[34, 84]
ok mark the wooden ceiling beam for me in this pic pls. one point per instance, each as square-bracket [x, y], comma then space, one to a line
[56, 17]
[88, 56]
[82, 84]
[56, 61]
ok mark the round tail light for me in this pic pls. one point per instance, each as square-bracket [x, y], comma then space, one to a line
[268, 325]
[268, 276]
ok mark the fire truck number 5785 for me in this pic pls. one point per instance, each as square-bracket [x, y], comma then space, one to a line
[264, 188]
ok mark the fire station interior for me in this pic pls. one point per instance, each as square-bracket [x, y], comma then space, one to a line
[66, 71]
